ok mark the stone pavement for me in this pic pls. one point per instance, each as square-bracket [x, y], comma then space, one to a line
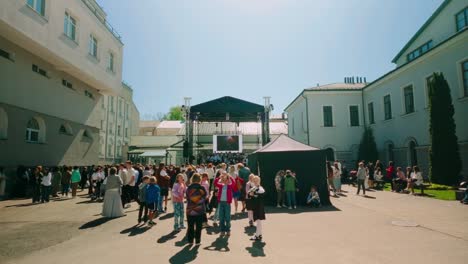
[356, 230]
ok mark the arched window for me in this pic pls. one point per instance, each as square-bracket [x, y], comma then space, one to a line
[390, 151]
[119, 149]
[413, 155]
[3, 124]
[32, 131]
[87, 135]
[65, 129]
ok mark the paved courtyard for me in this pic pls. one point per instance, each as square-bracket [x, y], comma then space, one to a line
[381, 228]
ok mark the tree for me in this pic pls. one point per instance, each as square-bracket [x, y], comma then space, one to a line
[444, 155]
[175, 113]
[368, 147]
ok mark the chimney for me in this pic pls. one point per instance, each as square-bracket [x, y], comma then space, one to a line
[344, 79]
[365, 80]
[352, 80]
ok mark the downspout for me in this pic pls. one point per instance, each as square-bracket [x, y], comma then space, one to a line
[307, 117]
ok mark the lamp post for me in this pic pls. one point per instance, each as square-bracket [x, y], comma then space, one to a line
[266, 128]
[188, 124]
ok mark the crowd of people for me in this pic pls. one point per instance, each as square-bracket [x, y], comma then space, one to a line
[369, 175]
[197, 193]
[222, 157]
[287, 185]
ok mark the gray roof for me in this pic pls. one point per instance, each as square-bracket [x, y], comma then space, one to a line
[245, 128]
[284, 143]
[338, 86]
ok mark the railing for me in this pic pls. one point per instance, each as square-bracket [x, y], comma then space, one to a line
[103, 20]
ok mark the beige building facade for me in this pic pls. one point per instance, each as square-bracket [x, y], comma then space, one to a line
[60, 63]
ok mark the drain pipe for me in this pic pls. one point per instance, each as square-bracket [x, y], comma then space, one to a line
[307, 116]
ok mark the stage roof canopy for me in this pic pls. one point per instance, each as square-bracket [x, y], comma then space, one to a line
[227, 109]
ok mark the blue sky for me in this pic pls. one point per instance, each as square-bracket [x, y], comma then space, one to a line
[248, 49]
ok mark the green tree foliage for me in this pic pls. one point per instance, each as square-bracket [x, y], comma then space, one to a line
[445, 162]
[175, 113]
[368, 147]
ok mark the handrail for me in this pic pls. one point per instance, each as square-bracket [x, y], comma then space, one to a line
[103, 21]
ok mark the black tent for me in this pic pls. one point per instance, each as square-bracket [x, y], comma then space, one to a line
[286, 153]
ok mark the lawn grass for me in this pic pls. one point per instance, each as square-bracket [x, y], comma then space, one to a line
[447, 195]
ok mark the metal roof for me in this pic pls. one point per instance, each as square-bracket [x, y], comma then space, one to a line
[245, 128]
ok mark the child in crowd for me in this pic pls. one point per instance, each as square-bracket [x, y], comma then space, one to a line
[256, 194]
[178, 191]
[313, 198]
[152, 198]
[225, 185]
[142, 200]
[214, 205]
[205, 183]
[248, 199]
[196, 196]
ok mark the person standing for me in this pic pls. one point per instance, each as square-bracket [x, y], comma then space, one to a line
[75, 180]
[142, 199]
[56, 179]
[371, 172]
[66, 180]
[244, 174]
[46, 184]
[361, 177]
[248, 200]
[112, 206]
[390, 174]
[124, 193]
[225, 186]
[290, 186]
[178, 191]
[131, 182]
[36, 184]
[330, 178]
[205, 183]
[196, 196]
[153, 194]
[337, 177]
[256, 194]
[279, 186]
[164, 182]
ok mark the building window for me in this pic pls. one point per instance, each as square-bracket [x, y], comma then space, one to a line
[37, 5]
[109, 150]
[420, 51]
[387, 107]
[293, 125]
[465, 78]
[128, 112]
[69, 26]
[67, 84]
[126, 132]
[119, 149]
[327, 116]
[370, 112]
[89, 94]
[87, 135]
[118, 130]
[65, 129]
[120, 108]
[409, 99]
[3, 124]
[93, 46]
[111, 104]
[462, 19]
[110, 67]
[38, 70]
[102, 124]
[32, 131]
[110, 128]
[354, 115]
[6, 55]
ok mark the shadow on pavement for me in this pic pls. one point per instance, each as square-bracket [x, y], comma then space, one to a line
[221, 244]
[166, 216]
[187, 254]
[135, 230]
[256, 250]
[369, 197]
[181, 243]
[249, 230]
[167, 237]
[21, 205]
[301, 209]
[96, 222]
[212, 230]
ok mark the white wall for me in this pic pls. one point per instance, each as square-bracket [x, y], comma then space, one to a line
[441, 28]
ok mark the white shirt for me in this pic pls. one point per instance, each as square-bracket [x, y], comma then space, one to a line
[131, 173]
[97, 176]
[210, 173]
[46, 180]
[163, 173]
[123, 176]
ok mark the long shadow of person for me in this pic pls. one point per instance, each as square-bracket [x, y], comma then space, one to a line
[212, 230]
[221, 244]
[135, 230]
[96, 222]
[186, 255]
[256, 250]
[166, 216]
[167, 237]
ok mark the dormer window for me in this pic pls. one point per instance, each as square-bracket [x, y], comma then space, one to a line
[419, 51]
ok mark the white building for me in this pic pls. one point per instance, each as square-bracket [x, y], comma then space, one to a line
[395, 105]
[57, 60]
